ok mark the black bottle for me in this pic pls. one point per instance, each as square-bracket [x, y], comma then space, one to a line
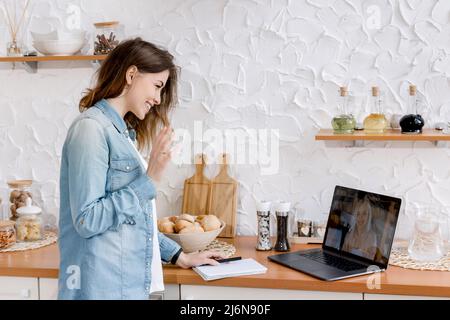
[282, 213]
[413, 122]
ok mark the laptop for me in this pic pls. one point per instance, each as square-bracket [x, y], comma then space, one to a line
[358, 238]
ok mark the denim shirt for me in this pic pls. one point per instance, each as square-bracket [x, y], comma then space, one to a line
[106, 222]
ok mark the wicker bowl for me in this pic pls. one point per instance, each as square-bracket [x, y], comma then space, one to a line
[192, 242]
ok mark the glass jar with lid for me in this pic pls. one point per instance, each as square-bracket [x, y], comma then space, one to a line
[19, 191]
[7, 234]
[29, 225]
[107, 37]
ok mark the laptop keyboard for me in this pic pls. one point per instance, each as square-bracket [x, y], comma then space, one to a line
[334, 261]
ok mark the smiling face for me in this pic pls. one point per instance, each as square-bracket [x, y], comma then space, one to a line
[144, 91]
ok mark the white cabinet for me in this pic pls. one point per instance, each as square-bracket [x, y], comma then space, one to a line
[370, 296]
[48, 289]
[19, 288]
[189, 292]
[171, 292]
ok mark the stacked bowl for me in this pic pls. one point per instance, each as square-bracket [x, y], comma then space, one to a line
[59, 43]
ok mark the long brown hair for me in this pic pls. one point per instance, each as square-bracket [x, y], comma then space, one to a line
[111, 81]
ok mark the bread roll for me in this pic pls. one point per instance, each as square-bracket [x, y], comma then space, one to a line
[194, 228]
[186, 217]
[200, 217]
[181, 224]
[210, 222]
[167, 227]
[173, 218]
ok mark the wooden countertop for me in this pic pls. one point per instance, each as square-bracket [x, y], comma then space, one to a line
[44, 263]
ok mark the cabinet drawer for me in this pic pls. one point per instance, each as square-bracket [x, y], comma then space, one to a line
[171, 292]
[370, 296]
[189, 292]
[19, 288]
[48, 289]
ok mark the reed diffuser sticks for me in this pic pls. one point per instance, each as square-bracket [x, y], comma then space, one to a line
[14, 48]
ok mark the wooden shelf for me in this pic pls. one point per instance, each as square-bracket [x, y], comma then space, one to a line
[52, 58]
[31, 62]
[390, 135]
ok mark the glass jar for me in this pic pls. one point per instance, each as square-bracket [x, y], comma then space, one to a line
[304, 228]
[29, 225]
[7, 234]
[318, 228]
[107, 37]
[15, 49]
[427, 243]
[20, 190]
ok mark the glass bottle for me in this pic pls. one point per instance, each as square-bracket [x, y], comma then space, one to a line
[282, 214]
[376, 122]
[412, 123]
[20, 190]
[345, 122]
[263, 213]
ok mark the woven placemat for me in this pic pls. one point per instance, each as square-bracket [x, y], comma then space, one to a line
[400, 258]
[226, 248]
[217, 245]
[49, 238]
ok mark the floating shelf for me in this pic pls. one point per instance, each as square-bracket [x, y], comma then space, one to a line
[390, 135]
[30, 62]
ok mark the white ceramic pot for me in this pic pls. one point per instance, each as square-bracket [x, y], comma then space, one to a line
[395, 121]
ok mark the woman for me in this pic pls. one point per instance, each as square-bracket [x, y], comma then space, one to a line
[361, 239]
[109, 244]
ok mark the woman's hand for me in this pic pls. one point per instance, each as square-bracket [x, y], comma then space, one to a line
[188, 260]
[160, 154]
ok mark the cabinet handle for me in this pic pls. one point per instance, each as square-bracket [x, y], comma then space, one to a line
[25, 293]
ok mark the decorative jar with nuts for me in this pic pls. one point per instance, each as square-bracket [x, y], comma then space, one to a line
[107, 37]
[29, 224]
[7, 234]
[20, 190]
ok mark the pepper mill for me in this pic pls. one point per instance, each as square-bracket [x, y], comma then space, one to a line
[282, 213]
[263, 213]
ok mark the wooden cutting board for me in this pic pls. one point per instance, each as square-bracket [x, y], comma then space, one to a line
[223, 199]
[197, 190]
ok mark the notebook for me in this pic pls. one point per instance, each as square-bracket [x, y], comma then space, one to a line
[230, 269]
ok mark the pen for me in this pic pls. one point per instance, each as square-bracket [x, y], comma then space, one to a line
[224, 260]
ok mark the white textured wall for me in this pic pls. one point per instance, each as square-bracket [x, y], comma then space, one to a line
[255, 64]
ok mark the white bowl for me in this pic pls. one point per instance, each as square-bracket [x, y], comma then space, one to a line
[59, 35]
[44, 36]
[192, 242]
[71, 35]
[58, 47]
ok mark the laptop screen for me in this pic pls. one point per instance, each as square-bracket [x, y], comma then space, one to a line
[362, 224]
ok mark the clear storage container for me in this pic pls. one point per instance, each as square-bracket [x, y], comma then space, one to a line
[107, 36]
[7, 234]
[19, 191]
[29, 225]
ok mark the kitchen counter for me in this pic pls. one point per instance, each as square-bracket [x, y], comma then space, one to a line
[43, 263]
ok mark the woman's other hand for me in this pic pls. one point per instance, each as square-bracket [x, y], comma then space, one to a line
[160, 154]
[188, 260]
